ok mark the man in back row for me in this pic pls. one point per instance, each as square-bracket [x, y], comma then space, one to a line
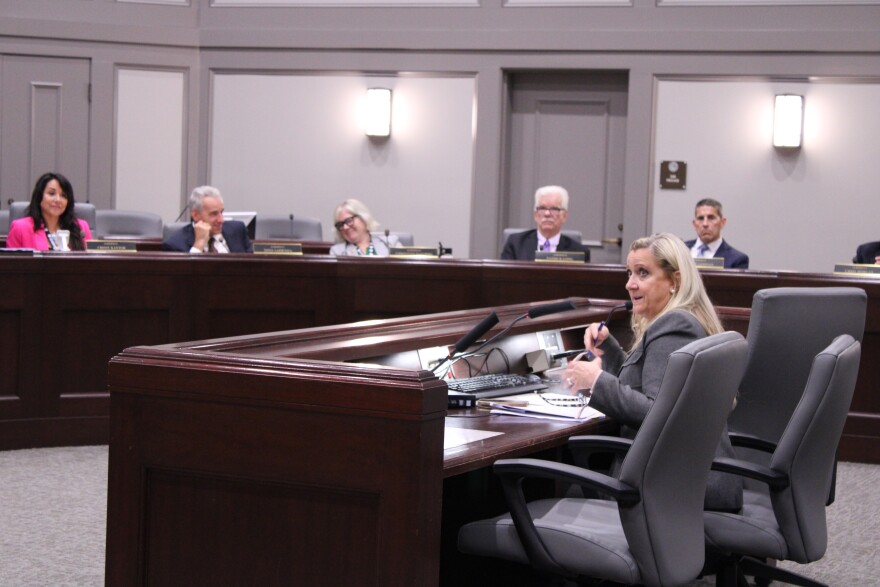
[551, 212]
[708, 222]
[208, 233]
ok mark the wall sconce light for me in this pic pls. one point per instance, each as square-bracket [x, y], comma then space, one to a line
[788, 121]
[378, 112]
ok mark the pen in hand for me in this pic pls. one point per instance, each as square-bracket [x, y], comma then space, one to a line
[628, 305]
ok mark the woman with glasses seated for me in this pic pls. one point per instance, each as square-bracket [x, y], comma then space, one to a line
[49, 215]
[354, 225]
[670, 308]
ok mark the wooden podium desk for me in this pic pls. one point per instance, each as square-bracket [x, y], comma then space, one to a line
[277, 459]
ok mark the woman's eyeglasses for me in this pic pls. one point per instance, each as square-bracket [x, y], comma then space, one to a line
[562, 401]
[345, 223]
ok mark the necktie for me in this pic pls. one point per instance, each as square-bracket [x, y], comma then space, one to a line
[704, 250]
[211, 248]
[546, 246]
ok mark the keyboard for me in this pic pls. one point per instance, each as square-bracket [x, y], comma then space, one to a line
[495, 385]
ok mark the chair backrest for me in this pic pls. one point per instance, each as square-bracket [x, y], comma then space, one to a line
[87, 212]
[17, 210]
[787, 328]
[671, 455]
[4, 221]
[806, 451]
[574, 235]
[404, 238]
[288, 227]
[171, 228]
[83, 211]
[110, 223]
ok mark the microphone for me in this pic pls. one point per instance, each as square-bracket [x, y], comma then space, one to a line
[179, 216]
[470, 338]
[441, 250]
[291, 226]
[553, 308]
[535, 312]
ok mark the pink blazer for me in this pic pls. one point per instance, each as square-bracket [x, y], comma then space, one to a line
[22, 234]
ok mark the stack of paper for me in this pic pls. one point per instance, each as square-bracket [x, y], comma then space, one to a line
[536, 406]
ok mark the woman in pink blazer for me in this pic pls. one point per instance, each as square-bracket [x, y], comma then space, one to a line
[50, 210]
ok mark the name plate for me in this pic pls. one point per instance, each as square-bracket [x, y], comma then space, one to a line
[709, 262]
[860, 270]
[111, 246]
[278, 248]
[418, 252]
[560, 256]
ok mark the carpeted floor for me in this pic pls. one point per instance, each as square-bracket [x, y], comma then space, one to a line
[53, 506]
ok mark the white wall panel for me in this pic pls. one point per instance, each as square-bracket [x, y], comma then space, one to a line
[149, 138]
[805, 210]
[285, 144]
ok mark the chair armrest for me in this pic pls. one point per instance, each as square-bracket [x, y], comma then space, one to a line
[750, 441]
[584, 446]
[514, 471]
[764, 474]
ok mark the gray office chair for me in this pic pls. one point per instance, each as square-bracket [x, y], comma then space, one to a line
[171, 228]
[788, 326]
[652, 533]
[574, 235]
[787, 521]
[127, 223]
[288, 227]
[84, 211]
[4, 221]
[404, 238]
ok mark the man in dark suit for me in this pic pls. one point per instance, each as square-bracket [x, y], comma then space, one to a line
[208, 233]
[868, 253]
[551, 212]
[708, 222]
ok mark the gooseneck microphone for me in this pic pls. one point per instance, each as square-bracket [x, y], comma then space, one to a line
[535, 312]
[470, 338]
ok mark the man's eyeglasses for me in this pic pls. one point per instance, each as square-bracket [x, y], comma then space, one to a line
[554, 210]
[346, 223]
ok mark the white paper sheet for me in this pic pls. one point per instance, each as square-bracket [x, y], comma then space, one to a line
[453, 437]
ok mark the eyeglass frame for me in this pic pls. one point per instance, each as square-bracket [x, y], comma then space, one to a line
[554, 210]
[347, 222]
[574, 401]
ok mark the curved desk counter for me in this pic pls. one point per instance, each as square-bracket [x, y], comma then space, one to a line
[63, 316]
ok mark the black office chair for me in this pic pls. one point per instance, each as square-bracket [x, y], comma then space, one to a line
[4, 221]
[652, 531]
[866, 253]
[405, 239]
[787, 520]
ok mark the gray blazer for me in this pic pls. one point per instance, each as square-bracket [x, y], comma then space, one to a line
[382, 245]
[628, 396]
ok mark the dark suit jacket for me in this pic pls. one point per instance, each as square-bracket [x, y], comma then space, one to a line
[522, 246]
[867, 252]
[234, 232]
[733, 259]
[628, 396]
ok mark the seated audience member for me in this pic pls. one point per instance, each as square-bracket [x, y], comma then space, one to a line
[708, 222]
[50, 210]
[551, 212]
[354, 225]
[208, 233]
[670, 309]
[868, 253]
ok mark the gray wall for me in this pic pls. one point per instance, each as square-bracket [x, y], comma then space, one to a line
[712, 47]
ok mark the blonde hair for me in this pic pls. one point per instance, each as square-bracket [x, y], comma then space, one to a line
[355, 208]
[673, 256]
